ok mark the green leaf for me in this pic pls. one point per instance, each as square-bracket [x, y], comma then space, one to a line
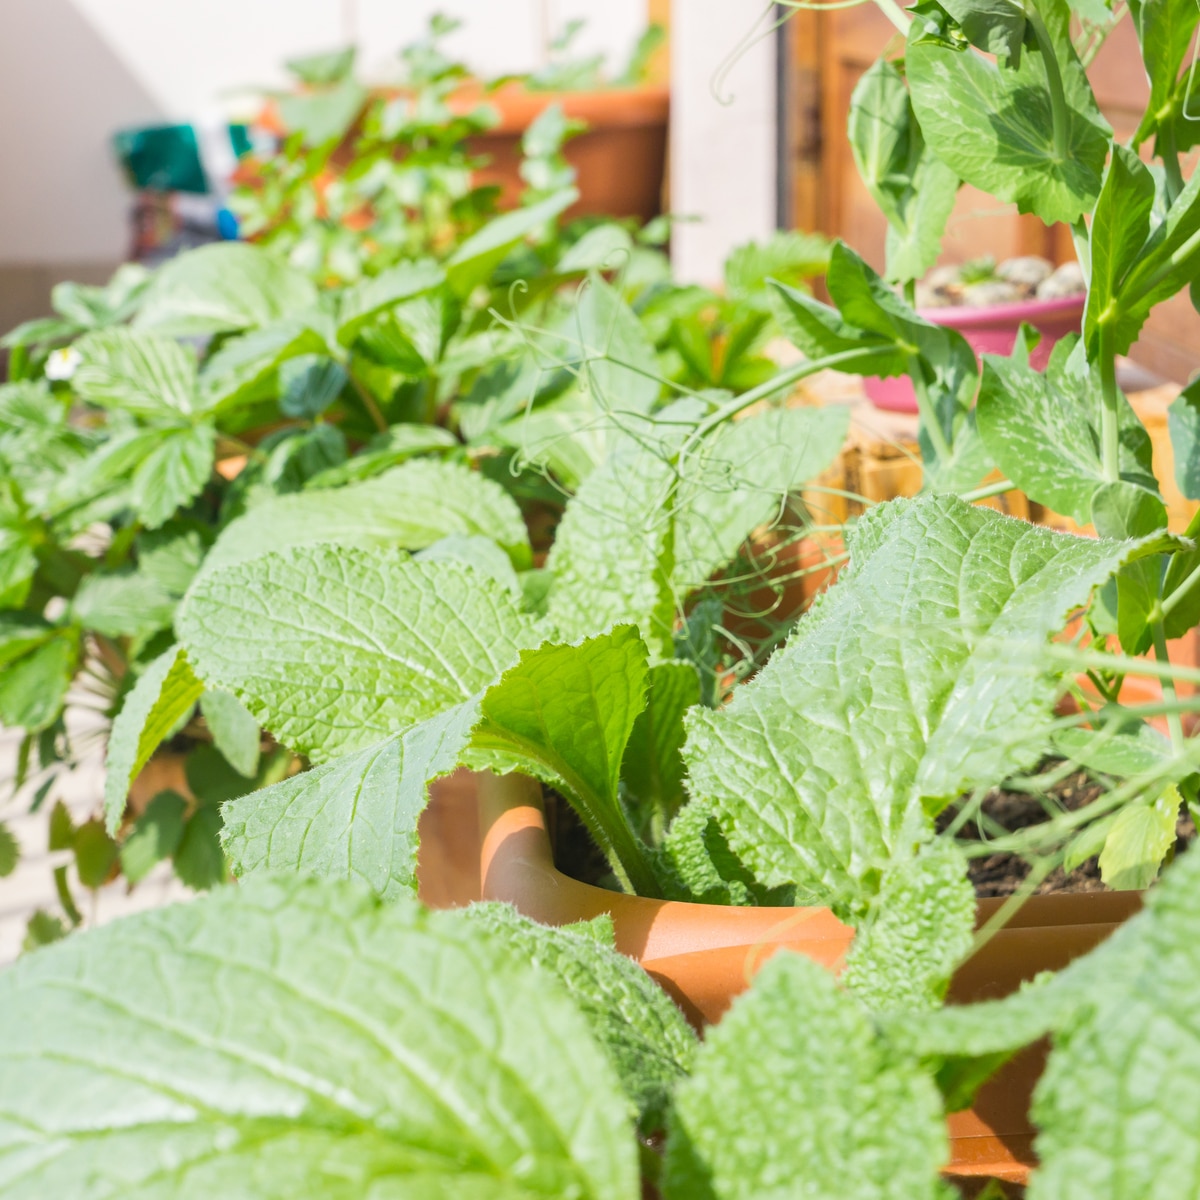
[738, 479]
[652, 767]
[10, 851]
[1146, 254]
[844, 1117]
[95, 854]
[398, 445]
[18, 558]
[235, 732]
[324, 115]
[199, 860]
[480, 553]
[335, 649]
[998, 134]
[318, 69]
[41, 930]
[140, 373]
[336, 1047]
[918, 931]
[995, 26]
[245, 369]
[411, 507]
[565, 714]
[173, 474]
[822, 786]
[154, 836]
[474, 261]
[647, 1040]
[788, 255]
[161, 698]
[355, 817]
[1165, 31]
[1139, 841]
[1123, 753]
[914, 190]
[61, 835]
[33, 688]
[1110, 1102]
[1041, 429]
[222, 288]
[1183, 423]
[122, 604]
[363, 302]
[171, 555]
[310, 383]
[613, 552]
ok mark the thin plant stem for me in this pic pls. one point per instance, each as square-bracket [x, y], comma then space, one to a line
[368, 401]
[1058, 99]
[988, 490]
[1174, 723]
[1181, 593]
[1110, 400]
[941, 447]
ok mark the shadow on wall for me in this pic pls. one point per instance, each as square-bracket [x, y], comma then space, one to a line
[63, 206]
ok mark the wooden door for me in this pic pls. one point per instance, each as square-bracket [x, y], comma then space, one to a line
[828, 52]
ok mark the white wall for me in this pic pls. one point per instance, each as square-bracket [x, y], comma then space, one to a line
[722, 145]
[73, 71]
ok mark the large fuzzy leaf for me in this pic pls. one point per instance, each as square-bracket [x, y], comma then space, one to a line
[296, 1038]
[334, 650]
[1114, 1104]
[646, 1036]
[355, 817]
[410, 507]
[795, 1094]
[224, 287]
[162, 697]
[918, 676]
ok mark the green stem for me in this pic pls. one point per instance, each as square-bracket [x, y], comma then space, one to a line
[1110, 410]
[929, 421]
[1180, 594]
[895, 14]
[1083, 249]
[910, 292]
[1174, 724]
[988, 490]
[1058, 100]
[368, 401]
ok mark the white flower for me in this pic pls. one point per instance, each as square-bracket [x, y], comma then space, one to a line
[63, 363]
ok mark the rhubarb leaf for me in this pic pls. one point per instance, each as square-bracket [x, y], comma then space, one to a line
[221, 288]
[822, 785]
[411, 506]
[355, 817]
[647, 1039]
[162, 697]
[335, 649]
[301, 1038]
[845, 1117]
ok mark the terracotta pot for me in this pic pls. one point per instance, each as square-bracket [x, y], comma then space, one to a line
[620, 161]
[989, 331]
[704, 955]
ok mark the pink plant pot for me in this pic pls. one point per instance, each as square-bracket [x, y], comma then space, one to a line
[989, 331]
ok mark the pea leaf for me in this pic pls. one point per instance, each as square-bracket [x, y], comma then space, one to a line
[999, 134]
[1183, 423]
[1042, 430]
[335, 649]
[296, 1058]
[222, 288]
[960, 694]
[1138, 842]
[411, 506]
[162, 697]
[846, 1118]
[995, 26]
[1165, 31]
[914, 190]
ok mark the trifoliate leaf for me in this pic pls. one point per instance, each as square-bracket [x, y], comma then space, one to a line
[334, 650]
[161, 698]
[154, 836]
[223, 287]
[173, 474]
[646, 1037]
[410, 507]
[122, 604]
[794, 1093]
[355, 817]
[300, 1038]
[820, 784]
[139, 373]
